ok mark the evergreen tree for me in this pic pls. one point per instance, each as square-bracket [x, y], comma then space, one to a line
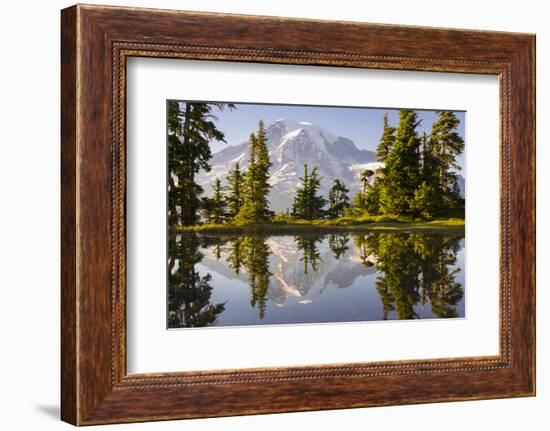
[338, 199]
[235, 198]
[426, 201]
[263, 164]
[190, 130]
[446, 145]
[366, 175]
[428, 162]
[255, 207]
[386, 140]
[315, 201]
[299, 207]
[216, 205]
[368, 199]
[175, 161]
[247, 212]
[401, 175]
[359, 203]
[372, 197]
[307, 203]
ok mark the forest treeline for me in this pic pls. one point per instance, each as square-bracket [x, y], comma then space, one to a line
[418, 179]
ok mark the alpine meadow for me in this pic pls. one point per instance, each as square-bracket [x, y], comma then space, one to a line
[286, 214]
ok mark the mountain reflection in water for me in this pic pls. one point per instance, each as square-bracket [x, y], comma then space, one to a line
[313, 278]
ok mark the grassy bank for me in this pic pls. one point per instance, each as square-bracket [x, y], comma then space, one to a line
[367, 223]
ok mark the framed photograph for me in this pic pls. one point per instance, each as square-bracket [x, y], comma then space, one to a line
[264, 215]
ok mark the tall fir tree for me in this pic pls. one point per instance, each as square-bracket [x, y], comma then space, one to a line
[428, 198]
[359, 204]
[216, 206]
[338, 199]
[401, 175]
[386, 140]
[308, 204]
[191, 127]
[366, 175]
[263, 164]
[427, 161]
[255, 207]
[446, 145]
[175, 160]
[299, 206]
[247, 213]
[235, 197]
[427, 201]
[315, 201]
[372, 197]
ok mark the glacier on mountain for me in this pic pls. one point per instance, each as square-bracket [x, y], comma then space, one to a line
[292, 144]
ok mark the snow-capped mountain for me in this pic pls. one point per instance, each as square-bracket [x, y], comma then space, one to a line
[292, 144]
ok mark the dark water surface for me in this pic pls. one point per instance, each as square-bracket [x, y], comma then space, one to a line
[313, 278]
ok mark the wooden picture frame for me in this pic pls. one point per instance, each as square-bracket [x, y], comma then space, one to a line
[95, 43]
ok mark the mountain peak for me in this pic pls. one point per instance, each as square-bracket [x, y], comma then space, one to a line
[291, 144]
[315, 131]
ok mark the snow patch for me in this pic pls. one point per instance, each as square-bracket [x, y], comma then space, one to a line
[373, 166]
[238, 159]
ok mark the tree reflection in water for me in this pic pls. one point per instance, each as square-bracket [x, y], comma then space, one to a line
[338, 244]
[235, 258]
[412, 269]
[189, 293]
[307, 244]
[256, 261]
[416, 267]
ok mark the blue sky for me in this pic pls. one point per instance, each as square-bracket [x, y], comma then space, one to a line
[362, 125]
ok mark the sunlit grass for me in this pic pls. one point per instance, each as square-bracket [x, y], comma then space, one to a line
[287, 224]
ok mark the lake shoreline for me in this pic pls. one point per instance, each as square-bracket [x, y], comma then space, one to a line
[446, 225]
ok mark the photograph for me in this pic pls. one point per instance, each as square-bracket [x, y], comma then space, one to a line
[288, 214]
